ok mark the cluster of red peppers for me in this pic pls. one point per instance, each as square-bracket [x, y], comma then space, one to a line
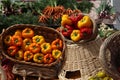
[28, 46]
[76, 27]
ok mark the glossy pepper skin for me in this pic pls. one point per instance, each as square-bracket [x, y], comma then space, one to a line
[28, 55]
[38, 39]
[65, 20]
[48, 58]
[26, 43]
[19, 55]
[27, 33]
[67, 30]
[75, 18]
[75, 35]
[8, 40]
[17, 40]
[34, 48]
[38, 57]
[86, 32]
[46, 48]
[56, 53]
[18, 33]
[57, 44]
[85, 21]
[12, 50]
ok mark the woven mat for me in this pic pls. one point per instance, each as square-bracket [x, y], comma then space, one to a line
[82, 58]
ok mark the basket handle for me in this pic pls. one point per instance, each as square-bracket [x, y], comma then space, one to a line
[0, 38]
[1, 56]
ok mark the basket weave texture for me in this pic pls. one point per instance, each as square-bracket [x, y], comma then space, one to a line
[109, 52]
[49, 34]
[82, 58]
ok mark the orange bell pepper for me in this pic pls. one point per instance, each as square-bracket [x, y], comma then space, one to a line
[35, 48]
[48, 58]
[16, 40]
[28, 55]
[57, 44]
[12, 50]
[27, 33]
[18, 33]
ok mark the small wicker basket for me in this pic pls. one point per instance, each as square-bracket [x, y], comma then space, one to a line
[109, 52]
[49, 34]
[94, 34]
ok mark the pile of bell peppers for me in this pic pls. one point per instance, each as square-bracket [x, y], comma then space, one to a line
[28, 46]
[76, 27]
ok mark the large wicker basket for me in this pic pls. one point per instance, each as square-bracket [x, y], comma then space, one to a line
[82, 61]
[93, 37]
[109, 53]
[49, 34]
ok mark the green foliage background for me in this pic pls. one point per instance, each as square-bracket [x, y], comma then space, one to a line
[32, 10]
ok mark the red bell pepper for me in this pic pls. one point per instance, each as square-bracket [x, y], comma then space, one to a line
[48, 58]
[12, 50]
[67, 30]
[86, 32]
[76, 17]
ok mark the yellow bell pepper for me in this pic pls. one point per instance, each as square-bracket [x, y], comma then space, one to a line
[75, 35]
[38, 39]
[19, 55]
[84, 22]
[66, 20]
[26, 43]
[8, 40]
[38, 57]
[56, 53]
[46, 48]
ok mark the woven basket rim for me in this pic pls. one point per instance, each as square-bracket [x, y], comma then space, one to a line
[93, 37]
[32, 63]
[102, 56]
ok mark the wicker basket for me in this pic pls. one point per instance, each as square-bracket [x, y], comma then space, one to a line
[109, 52]
[49, 35]
[82, 61]
[94, 35]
